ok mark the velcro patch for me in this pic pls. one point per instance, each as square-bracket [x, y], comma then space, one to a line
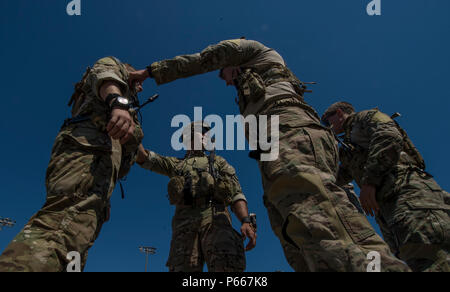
[379, 117]
[107, 61]
[236, 41]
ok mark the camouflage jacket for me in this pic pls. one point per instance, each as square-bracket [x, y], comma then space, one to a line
[193, 167]
[374, 151]
[89, 103]
[264, 78]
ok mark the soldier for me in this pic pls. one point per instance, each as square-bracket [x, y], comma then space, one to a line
[93, 150]
[202, 187]
[409, 205]
[317, 215]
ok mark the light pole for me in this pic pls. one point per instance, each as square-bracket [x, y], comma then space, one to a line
[6, 222]
[147, 250]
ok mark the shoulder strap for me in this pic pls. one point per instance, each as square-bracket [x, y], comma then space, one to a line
[410, 148]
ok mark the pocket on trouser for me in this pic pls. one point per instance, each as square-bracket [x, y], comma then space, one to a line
[36, 248]
[296, 154]
[79, 229]
[43, 245]
[224, 250]
[325, 149]
[304, 197]
[68, 230]
[422, 233]
[356, 225]
[185, 254]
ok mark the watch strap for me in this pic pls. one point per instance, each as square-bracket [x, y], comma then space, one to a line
[246, 220]
[110, 98]
[118, 105]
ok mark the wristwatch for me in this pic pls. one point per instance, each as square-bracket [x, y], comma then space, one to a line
[121, 103]
[110, 98]
[246, 220]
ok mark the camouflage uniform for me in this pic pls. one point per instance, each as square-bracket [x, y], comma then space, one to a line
[202, 230]
[317, 215]
[414, 216]
[84, 168]
[295, 256]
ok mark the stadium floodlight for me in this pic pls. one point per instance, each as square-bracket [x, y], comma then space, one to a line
[6, 222]
[147, 250]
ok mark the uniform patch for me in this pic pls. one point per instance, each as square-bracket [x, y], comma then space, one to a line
[381, 118]
[236, 41]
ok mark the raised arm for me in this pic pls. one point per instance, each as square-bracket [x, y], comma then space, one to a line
[157, 163]
[224, 54]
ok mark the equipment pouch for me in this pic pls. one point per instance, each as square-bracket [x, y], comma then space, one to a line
[251, 86]
[206, 186]
[175, 190]
[223, 192]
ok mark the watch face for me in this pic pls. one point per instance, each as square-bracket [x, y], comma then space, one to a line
[123, 100]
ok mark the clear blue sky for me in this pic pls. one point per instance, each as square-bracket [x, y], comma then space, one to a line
[398, 61]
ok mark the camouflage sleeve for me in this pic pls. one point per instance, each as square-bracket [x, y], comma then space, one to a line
[385, 145]
[228, 173]
[107, 69]
[224, 54]
[160, 164]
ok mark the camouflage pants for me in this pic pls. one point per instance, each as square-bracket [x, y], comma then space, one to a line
[416, 222]
[318, 216]
[198, 238]
[294, 255]
[80, 179]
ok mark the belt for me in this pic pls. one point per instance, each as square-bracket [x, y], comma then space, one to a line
[281, 101]
[202, 202]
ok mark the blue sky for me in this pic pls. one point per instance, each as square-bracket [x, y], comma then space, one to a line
[398, 61]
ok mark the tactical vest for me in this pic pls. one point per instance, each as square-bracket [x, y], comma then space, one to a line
[202, 184]
[408, 146]
[252, 84]
[192, 169]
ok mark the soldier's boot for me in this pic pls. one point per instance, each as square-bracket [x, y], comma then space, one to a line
[332, 233]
